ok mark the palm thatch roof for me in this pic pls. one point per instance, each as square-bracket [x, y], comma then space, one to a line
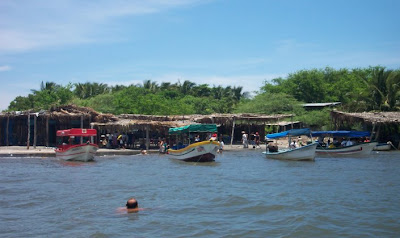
[368, 117]
[65, 113]
[213, 118]
[73, 112]
[139, 121]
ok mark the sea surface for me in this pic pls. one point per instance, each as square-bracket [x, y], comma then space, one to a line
[242, 194]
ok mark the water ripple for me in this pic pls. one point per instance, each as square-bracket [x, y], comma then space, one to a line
[242, 195]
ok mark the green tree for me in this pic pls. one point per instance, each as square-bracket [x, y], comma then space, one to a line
[393, 90]
[271, 103]
[87, 90]
[50, 94]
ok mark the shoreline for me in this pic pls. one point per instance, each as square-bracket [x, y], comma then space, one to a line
[43, 151]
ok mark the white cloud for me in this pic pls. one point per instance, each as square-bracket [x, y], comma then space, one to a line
[5, 68]
[30, 25]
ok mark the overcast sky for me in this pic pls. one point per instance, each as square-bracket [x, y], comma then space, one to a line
[218, 42]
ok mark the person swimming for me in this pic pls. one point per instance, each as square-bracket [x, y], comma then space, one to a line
[132, 205]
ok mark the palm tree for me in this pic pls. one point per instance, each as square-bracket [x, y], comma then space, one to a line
[165, 86]
[202, 90]
[50, 86]
[186, 87]
[377, 85]
[150, 85]
[117, 88]
[217, 92]
[393, 89]
[237, 93]
[87, 90]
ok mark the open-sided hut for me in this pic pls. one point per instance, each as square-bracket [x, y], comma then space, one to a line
[229, 125]
[384, 125]
[39, 128]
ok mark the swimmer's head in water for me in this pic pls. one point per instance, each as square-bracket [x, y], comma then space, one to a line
[132, 203]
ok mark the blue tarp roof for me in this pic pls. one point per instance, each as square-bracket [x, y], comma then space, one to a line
[293, 132]
[193, 128]
[342, 133]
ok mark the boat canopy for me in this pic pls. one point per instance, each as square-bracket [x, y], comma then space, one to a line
[193, 128]
[293, 132]
[342, 133]
[77, 132]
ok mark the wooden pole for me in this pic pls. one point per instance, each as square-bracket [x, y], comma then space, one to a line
[47, 131]
[147, 138]
[97, 135]
[262, 134]
[34, 131]
[81, 127]
[233, 129]
[29, 132]
[291, 120]
[91, 127]
[372, 132]
[377, 133]
[249, 128]
[7, 129]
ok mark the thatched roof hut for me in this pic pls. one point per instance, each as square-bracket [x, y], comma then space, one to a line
[385, 126]
[156, 122]
[41, 126]
[25, 127]
[368, 117]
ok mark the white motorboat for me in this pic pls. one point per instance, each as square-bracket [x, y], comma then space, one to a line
[383, 146]
[306, 152]
[355, 149]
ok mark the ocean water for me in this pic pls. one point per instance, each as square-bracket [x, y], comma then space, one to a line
[242, 194]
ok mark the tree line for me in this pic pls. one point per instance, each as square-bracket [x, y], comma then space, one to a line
[147, 98]
[360, 89]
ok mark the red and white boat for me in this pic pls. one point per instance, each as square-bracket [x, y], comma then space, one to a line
[76, 144]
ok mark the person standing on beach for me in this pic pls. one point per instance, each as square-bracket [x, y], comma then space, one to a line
[245, 140]
[257, 140]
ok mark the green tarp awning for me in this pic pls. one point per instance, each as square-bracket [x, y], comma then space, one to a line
[193, 128]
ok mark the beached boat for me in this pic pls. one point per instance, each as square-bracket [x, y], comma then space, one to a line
[202, 151]
[75, 144]
[357, 145]
[383, 146]
[305, 152]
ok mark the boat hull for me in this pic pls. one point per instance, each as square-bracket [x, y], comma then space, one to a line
[359, 150]
[383, 147]
[204, 151]
[306, 152]
[78, 153]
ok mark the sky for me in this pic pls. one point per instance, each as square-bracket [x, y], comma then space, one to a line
[216, 42]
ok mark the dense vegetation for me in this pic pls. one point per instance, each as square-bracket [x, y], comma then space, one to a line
[148, 98]
[368, 89]
[374, 88]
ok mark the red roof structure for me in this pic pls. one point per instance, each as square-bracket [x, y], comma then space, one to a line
[77, 132]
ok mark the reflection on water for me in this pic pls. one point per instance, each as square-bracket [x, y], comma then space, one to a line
[242, 194]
